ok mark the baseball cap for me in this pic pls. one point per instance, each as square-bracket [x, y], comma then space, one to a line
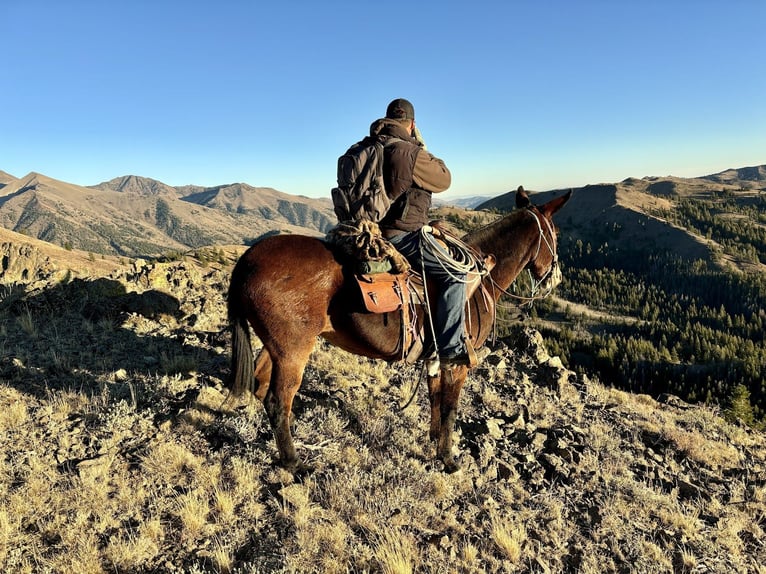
[400, 109]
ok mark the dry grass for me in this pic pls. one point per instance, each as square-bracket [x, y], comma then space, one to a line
[380, 511]
[395, 552]
[27, 323]
[509, 538]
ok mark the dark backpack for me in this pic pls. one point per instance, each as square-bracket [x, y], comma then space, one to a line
[361, 193]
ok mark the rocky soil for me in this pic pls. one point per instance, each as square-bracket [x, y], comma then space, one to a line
[120, 453]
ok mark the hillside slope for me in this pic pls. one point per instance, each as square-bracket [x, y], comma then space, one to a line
[121, 454]
[631, 216]
[5, 179]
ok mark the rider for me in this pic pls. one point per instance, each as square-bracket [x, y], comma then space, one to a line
[411, 175]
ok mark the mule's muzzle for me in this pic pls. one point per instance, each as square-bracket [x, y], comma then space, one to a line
[551, 279]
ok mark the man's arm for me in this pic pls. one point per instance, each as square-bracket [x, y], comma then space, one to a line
[430, 173]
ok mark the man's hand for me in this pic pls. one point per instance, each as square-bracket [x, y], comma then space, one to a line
[419, 138]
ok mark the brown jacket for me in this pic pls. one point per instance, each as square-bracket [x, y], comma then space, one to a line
[411, 175]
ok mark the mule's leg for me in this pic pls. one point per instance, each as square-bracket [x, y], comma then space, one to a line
[262, 374]
[452, 383]
[286, 375]
[435, 398]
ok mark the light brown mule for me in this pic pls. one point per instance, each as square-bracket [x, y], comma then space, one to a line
[291, 289]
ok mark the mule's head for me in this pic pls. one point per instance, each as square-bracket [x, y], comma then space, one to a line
[544, 265]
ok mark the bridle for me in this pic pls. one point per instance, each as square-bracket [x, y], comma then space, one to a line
[553, 276]
[542, 288]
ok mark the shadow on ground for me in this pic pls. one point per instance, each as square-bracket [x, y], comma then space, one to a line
[84, 335]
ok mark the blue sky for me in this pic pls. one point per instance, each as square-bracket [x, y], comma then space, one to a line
[545, 94]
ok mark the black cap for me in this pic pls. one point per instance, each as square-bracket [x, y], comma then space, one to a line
[400, 109]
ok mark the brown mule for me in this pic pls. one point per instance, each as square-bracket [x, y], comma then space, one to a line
[291, 289]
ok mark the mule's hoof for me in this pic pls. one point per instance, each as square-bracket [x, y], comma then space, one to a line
[296, 467]
[450, 466]
[302, 470]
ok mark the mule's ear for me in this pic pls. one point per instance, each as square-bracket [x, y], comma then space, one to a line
[555, 204]
[522, 199]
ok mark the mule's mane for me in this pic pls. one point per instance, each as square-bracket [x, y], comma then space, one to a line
[494, 237]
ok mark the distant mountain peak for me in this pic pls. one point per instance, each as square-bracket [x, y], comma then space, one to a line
[140, 216]
[6, 177]
[752, 173]
[33, 178]
[138, 185]
[467, 202]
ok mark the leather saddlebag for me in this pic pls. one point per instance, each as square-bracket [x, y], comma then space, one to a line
[383, 292]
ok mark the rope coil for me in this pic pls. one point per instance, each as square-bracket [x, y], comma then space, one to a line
[458, 258]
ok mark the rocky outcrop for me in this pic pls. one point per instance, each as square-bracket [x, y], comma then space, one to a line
[22, 263]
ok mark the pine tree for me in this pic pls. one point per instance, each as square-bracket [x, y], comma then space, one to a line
[739, 406]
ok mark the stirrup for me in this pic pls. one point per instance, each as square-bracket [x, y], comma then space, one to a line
[467, 359]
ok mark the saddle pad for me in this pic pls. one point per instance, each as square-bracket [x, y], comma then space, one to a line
[383, 292]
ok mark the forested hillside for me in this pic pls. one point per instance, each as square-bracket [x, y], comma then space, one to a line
[698, 333]
[691, 328]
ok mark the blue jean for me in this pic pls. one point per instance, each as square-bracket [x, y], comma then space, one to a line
[449, 316]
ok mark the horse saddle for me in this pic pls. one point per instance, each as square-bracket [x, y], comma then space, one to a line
[403, 293]
[386, 292]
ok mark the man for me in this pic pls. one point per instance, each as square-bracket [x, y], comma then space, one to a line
[411, 175]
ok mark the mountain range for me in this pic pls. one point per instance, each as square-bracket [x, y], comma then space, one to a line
[137, 216]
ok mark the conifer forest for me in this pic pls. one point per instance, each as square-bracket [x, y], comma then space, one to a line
[691, 328]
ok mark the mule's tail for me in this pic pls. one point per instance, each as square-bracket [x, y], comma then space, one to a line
[241, 378]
